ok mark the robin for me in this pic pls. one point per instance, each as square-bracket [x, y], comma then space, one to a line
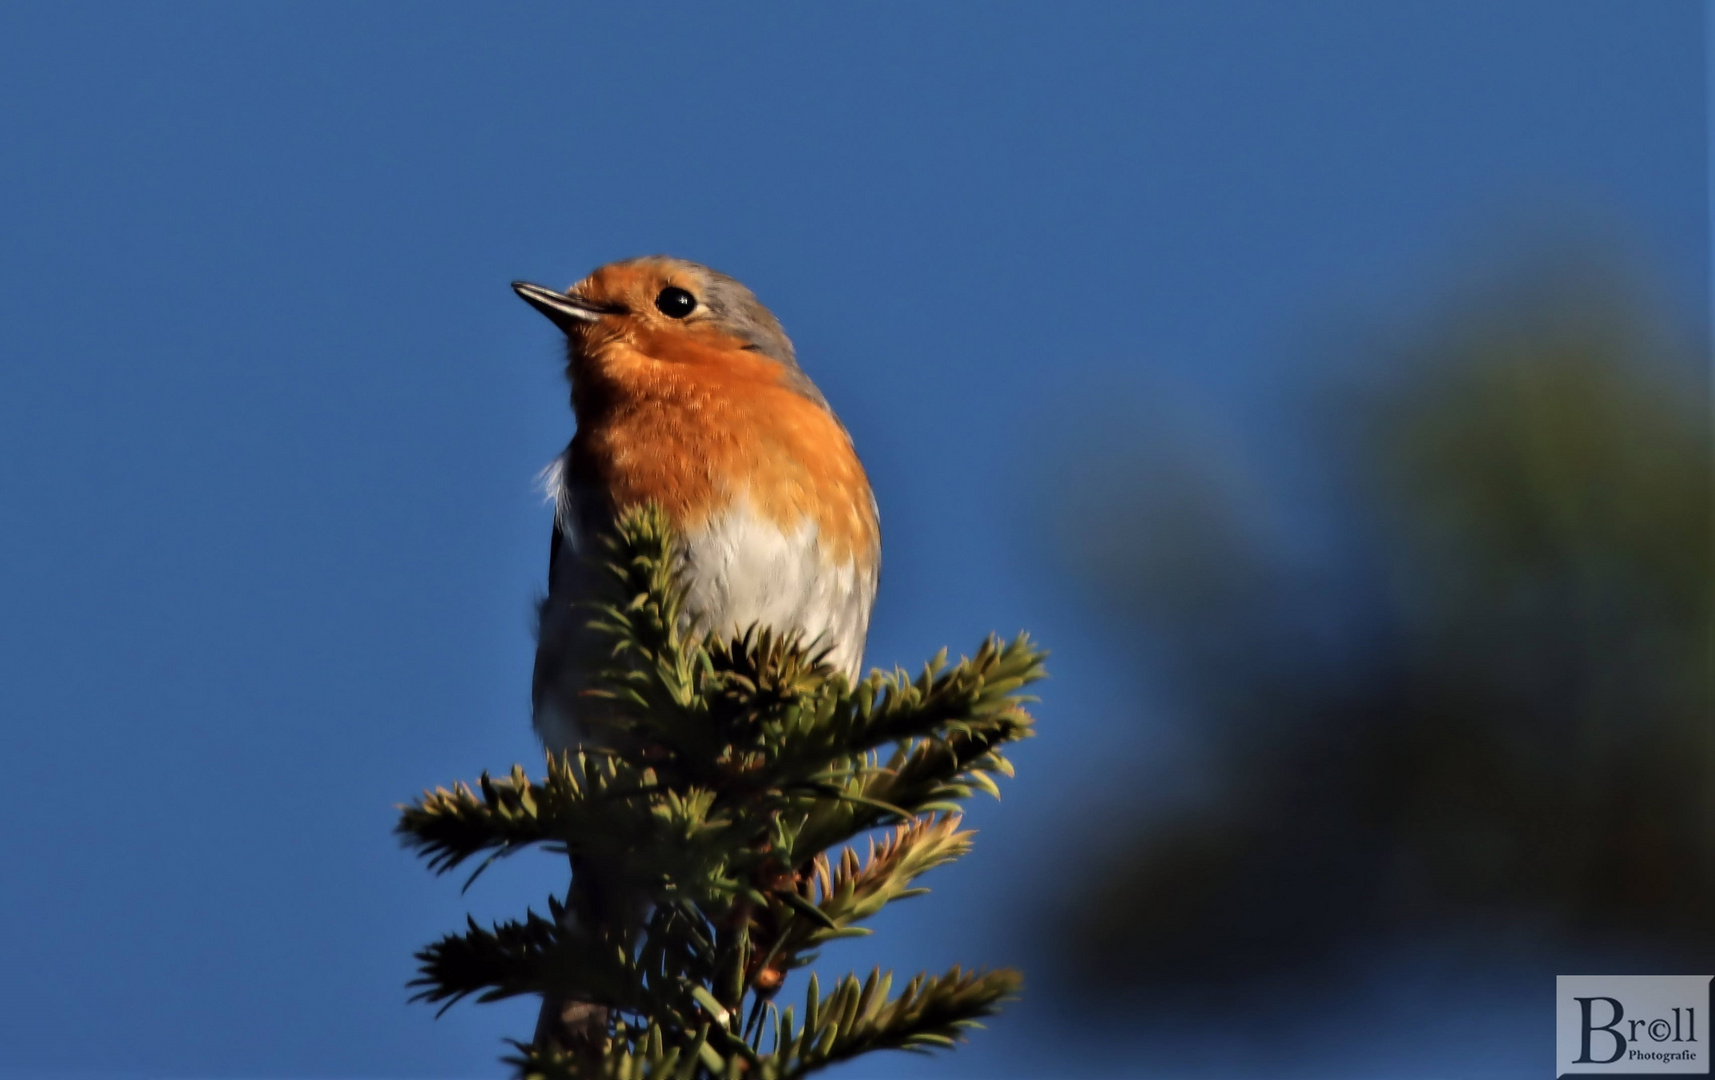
[686, 391]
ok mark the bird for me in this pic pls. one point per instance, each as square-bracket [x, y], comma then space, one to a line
[686, 391]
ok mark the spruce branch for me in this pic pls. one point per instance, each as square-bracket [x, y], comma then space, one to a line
[858, 889]
[932, 1012]
[710, 823]
[525, 957]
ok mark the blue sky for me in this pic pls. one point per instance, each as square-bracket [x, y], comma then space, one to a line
[270, 416]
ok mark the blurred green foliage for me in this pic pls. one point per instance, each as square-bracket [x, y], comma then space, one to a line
[1486, 704]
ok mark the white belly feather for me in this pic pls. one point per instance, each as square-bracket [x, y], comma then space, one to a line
[744, 570]
[741, 569]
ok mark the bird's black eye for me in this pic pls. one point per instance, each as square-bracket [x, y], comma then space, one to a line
[675, 303]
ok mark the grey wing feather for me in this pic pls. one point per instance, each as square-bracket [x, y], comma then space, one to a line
[568, 653]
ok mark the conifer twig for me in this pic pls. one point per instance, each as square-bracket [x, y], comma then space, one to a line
[720, 801]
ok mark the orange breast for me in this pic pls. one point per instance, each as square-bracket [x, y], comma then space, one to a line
[695, 427]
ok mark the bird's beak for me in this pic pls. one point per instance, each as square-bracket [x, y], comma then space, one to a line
[565, 311]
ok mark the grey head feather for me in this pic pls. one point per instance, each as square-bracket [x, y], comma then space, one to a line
[737, 310]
